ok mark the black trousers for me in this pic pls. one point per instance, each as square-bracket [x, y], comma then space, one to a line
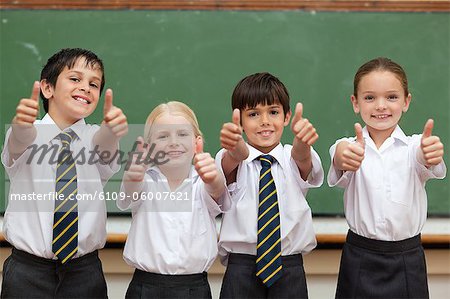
[382, 269]
[152, 285]
[240, 280]
[29, 276]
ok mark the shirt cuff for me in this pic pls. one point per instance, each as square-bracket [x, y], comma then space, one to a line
[10, 167]
[433, 172]
[107, 170]
[335, 176]
[222, 205]
[127, 201]
[315, 177]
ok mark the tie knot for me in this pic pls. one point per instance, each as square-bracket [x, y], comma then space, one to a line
[266, 160]
[66, 137]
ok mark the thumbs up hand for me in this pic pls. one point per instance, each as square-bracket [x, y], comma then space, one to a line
[114, 127]
[206, 168]
[305, 135]
[113, 117]
[204, 164]
[28, 108]
[431, 148]
[231, 138]
[349, 156]
[134, 173]
[303, 130]
[23, 132]
[359, 135]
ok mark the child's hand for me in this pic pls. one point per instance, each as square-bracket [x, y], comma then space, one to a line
[303, 130]
[207, 170]
[304, 136]
[349, 156]
[113, 117]
[231, 138]
[133, 176]
[23, 131]
[431, 148]
[204, 164]
[27, 110]
[114, 126]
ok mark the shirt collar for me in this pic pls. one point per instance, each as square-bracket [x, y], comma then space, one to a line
[52, 130]
[277, 153]
[397, 134]
[154, 170]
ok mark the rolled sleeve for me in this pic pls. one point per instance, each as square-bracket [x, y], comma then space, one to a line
[315, 177]
[425, 173]
[11, 167]
[218, 207]
[127, 201]
[433, 172]
[107, 170]
[225, 201]
[218, 160]
[123, 202]
[335, 176]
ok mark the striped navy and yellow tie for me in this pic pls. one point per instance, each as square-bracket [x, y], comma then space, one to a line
[268, 250]
[65, 217]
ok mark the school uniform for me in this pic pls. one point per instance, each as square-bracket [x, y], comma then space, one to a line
[385, 206]
[239, 231]
[172, 241]
[28, 224]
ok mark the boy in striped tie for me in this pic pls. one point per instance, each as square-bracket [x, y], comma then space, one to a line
[55, 239]
[269, 226]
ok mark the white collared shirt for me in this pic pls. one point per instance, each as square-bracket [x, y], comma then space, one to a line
[171, 240]
[385, 198]
[239, 224]
[28, 225]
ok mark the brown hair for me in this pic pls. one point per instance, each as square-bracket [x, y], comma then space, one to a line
[260, 88]
[381, 64]
[67, 58]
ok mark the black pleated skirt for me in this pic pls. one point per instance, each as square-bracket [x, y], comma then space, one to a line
[382, 269]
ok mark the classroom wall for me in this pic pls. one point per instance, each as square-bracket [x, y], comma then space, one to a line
[199, 56]
[321, 5]
[321, 267]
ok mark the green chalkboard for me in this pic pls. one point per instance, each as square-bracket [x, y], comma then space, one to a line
[198, 57]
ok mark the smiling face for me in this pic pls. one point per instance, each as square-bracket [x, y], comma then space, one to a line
[75, 94]
[173, 135]
[263, 125]
[380, 100]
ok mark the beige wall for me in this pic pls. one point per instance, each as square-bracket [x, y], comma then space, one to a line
[321, 267]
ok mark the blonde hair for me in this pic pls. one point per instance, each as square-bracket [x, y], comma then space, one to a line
[174, 108]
